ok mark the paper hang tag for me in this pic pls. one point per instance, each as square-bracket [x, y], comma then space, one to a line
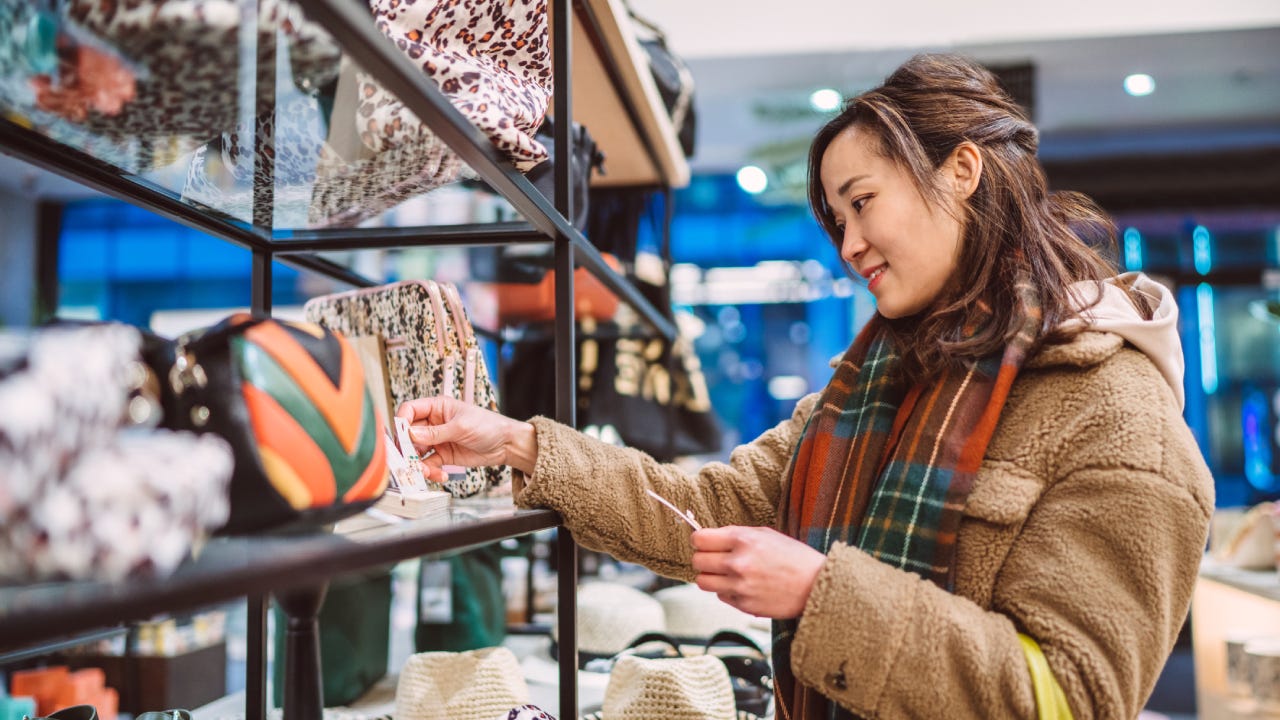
[414, 478]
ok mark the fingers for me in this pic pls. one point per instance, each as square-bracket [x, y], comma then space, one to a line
[717, 584]
[722, 539]
[425, 437]
[430, 409]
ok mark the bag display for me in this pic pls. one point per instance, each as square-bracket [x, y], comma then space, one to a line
[674, 81]
[291, 400]
[89, 489]
[491, 59]
[585, 160]
[654, 403]
[430, 350]
[185, 54]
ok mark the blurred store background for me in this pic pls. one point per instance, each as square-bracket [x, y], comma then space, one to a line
[1167, 114]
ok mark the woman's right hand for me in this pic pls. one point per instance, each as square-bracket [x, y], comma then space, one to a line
[467, 435]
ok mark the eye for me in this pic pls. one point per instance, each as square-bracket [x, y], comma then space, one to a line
[859, 203]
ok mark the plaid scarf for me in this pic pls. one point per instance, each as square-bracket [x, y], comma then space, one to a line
[888, 469]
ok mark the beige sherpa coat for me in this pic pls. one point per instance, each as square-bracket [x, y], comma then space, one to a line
[1084, 530]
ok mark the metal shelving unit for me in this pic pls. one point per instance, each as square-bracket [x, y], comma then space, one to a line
[296, 569]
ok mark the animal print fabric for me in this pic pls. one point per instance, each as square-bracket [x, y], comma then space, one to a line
[424, 354]
[188, 55]
[491, 58]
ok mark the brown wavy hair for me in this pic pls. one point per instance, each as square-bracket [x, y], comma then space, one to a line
[1013, 226]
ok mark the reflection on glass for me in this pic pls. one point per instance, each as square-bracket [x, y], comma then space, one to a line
[251, 110]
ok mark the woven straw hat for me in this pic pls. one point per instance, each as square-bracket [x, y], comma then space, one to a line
[473, 685]
[692, 613]
[611, 615]
[695, 688]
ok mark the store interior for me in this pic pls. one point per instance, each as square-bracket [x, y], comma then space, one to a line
[1168, 117]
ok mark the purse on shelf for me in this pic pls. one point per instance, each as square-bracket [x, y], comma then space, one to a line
[491, 58]
[430, 350]
[674, 81]
[89, 487]
[291, 400]
[186, 54]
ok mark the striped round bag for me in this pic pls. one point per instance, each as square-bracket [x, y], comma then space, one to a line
[291, 400]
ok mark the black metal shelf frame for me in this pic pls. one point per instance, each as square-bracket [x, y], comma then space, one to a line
[349, 22]
[237, 567]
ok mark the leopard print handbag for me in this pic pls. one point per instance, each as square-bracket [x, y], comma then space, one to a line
[490, 58]
[187, 52]
[477, 386]
[421, 350]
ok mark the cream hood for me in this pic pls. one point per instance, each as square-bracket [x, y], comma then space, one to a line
[1155, 334]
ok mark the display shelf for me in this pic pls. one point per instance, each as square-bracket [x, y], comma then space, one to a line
[1263, 583]
[611, 79]
[1230, 604]
[237, 566]
[605, 85]
[116, 169]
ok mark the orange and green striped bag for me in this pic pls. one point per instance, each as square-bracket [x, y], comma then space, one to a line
[291, 400]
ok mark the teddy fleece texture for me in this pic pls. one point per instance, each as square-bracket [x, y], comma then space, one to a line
[1084, 530]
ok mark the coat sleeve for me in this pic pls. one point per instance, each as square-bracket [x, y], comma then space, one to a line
[600, 491]
[1100, 574]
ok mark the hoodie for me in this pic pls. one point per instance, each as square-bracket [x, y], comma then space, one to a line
[1152, 330]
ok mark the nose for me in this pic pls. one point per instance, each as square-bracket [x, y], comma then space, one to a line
[852, 245]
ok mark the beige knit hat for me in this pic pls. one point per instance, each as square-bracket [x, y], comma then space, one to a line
[694, 688]
[692, 613]
[473, 685]
[610, 616]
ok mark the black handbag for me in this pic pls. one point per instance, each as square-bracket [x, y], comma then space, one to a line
[529, 263]
[674, 81]
[290, 399]
[650, 391]
[748, 665]
[586, 158]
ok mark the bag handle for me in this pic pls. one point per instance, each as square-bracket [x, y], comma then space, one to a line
[651, 637]
[466, 339]
[732, 637]
[461, 325]
[437, 308]
[1051, 702]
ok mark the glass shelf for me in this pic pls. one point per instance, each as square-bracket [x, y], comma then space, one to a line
[232, 567]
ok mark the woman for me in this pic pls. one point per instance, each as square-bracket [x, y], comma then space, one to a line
[1000, 451]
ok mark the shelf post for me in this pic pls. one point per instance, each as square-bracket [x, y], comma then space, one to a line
[260, 303]
[566, 360]
[255, 680]
[304, 689]
[567, 620]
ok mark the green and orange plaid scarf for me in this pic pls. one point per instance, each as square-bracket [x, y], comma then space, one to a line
[888, 469]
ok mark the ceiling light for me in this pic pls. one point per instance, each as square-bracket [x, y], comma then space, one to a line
[752, 179]
[1139, 84]
[825, 100]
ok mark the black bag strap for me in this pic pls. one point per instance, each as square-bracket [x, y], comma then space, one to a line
[733, 637]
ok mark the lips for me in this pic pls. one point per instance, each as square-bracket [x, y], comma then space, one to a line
[874, 274]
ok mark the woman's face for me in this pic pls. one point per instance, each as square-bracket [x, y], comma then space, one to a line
[906, 248]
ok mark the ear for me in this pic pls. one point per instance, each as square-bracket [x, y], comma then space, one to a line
[964, 167]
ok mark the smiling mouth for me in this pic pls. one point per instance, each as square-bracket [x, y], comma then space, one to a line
[874, 276]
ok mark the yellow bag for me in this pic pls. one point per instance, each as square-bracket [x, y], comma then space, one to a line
[1051, 702]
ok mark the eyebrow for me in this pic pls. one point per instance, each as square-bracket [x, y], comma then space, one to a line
[844, 186]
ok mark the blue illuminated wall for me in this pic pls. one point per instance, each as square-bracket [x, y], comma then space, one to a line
[127, 262]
